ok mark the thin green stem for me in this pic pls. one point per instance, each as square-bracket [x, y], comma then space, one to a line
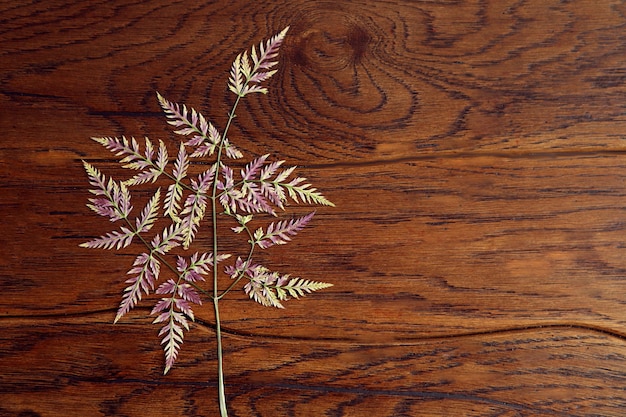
[220, 361]
[247, 263]
[218, 326]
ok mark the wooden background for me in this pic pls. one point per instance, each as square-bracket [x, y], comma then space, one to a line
[474, 150]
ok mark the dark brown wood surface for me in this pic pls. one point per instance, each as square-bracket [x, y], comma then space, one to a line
[474, 150]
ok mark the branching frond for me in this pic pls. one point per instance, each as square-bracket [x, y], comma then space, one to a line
[263, 188]
[231, 197]
[205, 137]
[248, 198]
[277, 190]
[154, 168]
[204, 180]
[129, 148]
[151, 168]
[210, 143]
[239, 268]
[192, 270]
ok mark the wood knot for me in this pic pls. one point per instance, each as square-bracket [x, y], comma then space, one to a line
[329, 41]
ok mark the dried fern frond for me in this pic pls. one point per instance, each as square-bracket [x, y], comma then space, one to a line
[246, 77]
[281, 232]
[175, 190]
[145, 272]
[201, 189]
[194, 124]
[270, 288]
[114, 197]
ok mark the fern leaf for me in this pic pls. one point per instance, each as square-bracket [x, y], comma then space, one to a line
[255, 201]
[149, 213]
[169, 239]
[153, 170]
[129, 148]
[192, 214]
[181, 165]
[252, 169]
[172, 201]
[247, 199]
[175, 190]
[195, 205]
[150, 168]
[270, 169]
[262, 294]
[306, 193]
[134, 159]
[162, 157]
[208, 143]
[178, 115]
[145, 272]
[254, 88]
[173, 311]
[230, 195]
[115, 200]
[115, 239]
[186, 291]
[198, 265]
[280, 233]
[284, 174]
[236, 81]
[261, 286]
[173, 336]
[245, 78]
[239, 268]
[231, 151]
[205, 136]
[149, 175]
[270, 288]
[204, 180]
[121, 146]
[298, 287]
[270, 51]
[259, 77]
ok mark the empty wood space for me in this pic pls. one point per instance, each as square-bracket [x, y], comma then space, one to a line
[475, 151]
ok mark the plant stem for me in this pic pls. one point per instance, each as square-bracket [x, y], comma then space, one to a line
[218, 327]
[220, 366]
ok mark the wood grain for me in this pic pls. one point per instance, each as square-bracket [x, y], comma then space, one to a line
[475, 151]
[558, 370]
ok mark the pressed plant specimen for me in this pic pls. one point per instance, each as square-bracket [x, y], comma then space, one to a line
[200, 187]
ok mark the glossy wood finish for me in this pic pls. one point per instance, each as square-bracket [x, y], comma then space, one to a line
[474, 150]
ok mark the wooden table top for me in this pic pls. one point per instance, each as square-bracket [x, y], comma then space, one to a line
[475, 154]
